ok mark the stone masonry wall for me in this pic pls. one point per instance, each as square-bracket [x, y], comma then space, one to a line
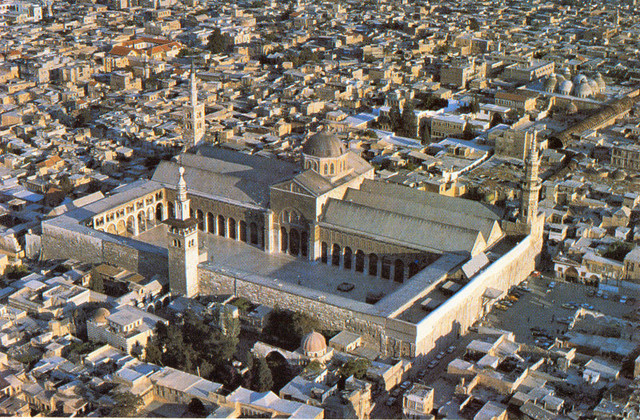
[460, 311]
[92, 247]
[330, 316]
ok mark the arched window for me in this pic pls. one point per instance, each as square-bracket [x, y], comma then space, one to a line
[326, 169]
[333, 169]
[211, 226]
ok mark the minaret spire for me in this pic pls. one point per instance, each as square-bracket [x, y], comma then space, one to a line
[194, 124]
[531, 182]
[194, 86]
[182, 202]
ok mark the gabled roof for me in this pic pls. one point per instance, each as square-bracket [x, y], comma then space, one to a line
[426, 210]
[399, 228]
[444, 203]
[226, 174]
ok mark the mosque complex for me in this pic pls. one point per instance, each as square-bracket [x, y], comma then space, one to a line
[407, 269]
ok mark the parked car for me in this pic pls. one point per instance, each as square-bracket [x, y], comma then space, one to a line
[390, 401]
[432, 364]
[451, 349]
[440, 355]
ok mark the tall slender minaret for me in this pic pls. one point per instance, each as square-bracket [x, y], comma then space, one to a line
[530, 183]
[194, 126]
[183, 245]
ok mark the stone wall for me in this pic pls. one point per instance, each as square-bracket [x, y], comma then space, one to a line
[271, 293]
[61, 243]
[442, 326]
[395, 336]
[88, 245]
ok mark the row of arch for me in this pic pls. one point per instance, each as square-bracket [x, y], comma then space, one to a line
[227, 227]
[371, 263]
[294, 242]
[137, 223]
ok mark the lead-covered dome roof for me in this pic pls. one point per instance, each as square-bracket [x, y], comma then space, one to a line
[323, 145]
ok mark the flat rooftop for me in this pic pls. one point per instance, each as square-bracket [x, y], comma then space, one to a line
[238, 257]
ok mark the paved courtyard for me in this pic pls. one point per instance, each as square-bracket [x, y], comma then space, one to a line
[542, 308]
[235, 256]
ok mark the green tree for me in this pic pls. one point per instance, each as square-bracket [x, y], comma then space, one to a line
[153, 352]
[468, 133]
[197, 408]
[496, 120]
[396, 118]
[618, 250]
[96, 284]
[289, 327]
[218, 43]
[65, 184]
[409, 124]
[15, 272]
[357, 367]
[474, 25]
[261, 379]
[126, 405]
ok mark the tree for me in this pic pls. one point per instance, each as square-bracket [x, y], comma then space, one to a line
[96, 284]
[395, 117]
[474, 25]
[15, 272]
[261, 379]
[355, 367]
[197, 408]
[618, 250]
[409, 124]
[467, 133]
[496, 120]
[126, 405]
[153, 353]
[65, 184]
[218, 43]
[289, 327]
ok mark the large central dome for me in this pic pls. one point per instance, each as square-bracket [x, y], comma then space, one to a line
[323, 145]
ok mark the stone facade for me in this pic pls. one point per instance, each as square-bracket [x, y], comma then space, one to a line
[396, 337]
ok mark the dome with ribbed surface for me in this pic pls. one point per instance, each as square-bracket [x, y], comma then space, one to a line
[565, 87]
[314, 344]
[323, 145]
[100, 315]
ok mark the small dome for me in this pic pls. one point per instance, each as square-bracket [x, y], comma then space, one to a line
[550, 83]
[100, 315]
[567, 73]
[572, 108]
[600, 81]
[579, 79]
[323, 145]
[618, 175]
[314, 343]
[583, 90]
[565, 87]
[594, 86]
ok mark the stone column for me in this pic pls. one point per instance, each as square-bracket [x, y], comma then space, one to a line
[341, 262]
[329, 256]
[379, 267]
[268, 234]
[365, 264]
[136, 228]
[237, 230]
[315, 250]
